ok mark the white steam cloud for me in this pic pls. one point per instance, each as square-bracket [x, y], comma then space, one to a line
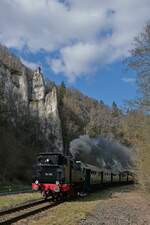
[102, 152]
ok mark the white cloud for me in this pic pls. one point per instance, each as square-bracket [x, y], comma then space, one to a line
[29, 64]
[129, 80]
[78, 59]
[86, 33]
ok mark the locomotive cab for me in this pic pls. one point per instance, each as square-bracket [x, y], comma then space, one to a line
[49, 168]
[52, 175]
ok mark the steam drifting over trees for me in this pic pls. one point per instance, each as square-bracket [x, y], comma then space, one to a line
[102, 152]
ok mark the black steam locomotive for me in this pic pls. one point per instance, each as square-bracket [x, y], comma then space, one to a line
[57, 175]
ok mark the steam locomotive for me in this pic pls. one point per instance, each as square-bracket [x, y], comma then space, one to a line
[59, 176]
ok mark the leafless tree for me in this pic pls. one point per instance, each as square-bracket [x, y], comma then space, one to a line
[140, 62]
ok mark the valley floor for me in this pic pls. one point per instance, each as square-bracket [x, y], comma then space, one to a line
[125, 205]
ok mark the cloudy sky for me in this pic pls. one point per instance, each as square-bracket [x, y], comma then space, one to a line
[82, 42]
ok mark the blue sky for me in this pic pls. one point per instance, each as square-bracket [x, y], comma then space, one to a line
[82, 42]
[110, 83]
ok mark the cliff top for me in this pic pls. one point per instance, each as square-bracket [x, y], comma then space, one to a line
[12, 62]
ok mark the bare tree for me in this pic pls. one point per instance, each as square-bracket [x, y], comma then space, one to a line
[140, 62]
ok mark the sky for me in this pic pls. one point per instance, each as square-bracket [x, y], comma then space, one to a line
[81, 42]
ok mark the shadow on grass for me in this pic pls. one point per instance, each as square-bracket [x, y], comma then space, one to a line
[106, 192]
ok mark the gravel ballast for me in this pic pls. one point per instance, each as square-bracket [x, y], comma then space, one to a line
[122, 208]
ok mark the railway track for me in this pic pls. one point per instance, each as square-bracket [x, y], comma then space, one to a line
[12, 215]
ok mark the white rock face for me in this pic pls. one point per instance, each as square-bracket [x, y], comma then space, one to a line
[26, 92]
[45, 106]
[52, 117]
[38, 86]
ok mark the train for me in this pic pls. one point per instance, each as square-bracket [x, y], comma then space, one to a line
[58, 176]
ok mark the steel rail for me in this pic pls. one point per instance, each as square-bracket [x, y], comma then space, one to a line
[16, 218]
[21, 207]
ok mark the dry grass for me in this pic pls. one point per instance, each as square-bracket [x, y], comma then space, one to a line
[144, 167]
[67, 213]
[12, 200]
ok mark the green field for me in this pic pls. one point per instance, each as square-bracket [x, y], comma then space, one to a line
[14, 188]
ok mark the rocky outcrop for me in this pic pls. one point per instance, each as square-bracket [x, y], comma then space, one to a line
[45, 107]
[23, 92]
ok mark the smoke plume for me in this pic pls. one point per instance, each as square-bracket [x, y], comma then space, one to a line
[102, 152]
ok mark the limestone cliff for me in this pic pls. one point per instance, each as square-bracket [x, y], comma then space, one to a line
[24, 96]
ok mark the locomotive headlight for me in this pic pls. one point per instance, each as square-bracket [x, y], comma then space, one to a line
[36, 182]
[57, 182]
[57, 189]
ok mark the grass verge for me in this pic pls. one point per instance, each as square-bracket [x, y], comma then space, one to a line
[12, 200]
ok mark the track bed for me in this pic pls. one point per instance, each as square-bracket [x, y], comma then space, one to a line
[12, 215]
